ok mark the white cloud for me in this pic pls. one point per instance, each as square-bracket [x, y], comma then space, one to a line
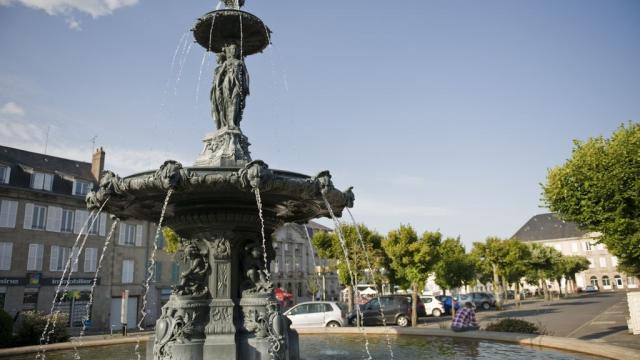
[124, 161]
[13, 109]
[95, 8]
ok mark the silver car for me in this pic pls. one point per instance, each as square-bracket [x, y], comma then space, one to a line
[315, 314]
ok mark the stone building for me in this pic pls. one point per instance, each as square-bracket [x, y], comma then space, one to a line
[42, 213]
[295, 261]
[567, 238]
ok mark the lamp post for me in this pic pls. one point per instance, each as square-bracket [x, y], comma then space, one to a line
[321, 271]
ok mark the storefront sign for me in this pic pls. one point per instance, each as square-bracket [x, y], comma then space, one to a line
[13, 281]
[72, 282]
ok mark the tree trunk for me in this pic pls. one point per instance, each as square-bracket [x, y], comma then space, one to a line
[505, 288]
[517, 294]
[414, 306]
[545, 289]
[349, 299]
[559, 288]
[496, 285]
[453, 307]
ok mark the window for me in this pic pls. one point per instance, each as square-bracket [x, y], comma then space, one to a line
[90, 260]
[130, 234]
[175, 272]
[603, 261]
[594, 281]
[60, 257]
[606, 281]
[34, 260]
[157, 273]
[66, 224]
[587, 245]
[631, 281]
[614, 261]
[81, 188]
[41, 181]
[30, 299]
[127, 271]
[300, 309]
[94, 224]
[8, 210]
[39, 217]
[6, 249]
[5, 174]
[618, 281]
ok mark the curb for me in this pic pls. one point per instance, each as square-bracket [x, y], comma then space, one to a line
[560, 343]
[71, 345]
[565, 344]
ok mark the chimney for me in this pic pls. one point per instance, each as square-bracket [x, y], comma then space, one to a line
[97, 164]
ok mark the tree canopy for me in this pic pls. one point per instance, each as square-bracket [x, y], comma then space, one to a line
[599, 188]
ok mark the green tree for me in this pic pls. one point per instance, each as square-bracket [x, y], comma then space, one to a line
[516, 264]
[328, 246]
[491, 254]
[542, 265]
[599, 188]
[455, 268]
[171, 240]
[412, 259]
[574, 264]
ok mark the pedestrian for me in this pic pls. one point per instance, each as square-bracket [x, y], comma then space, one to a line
[465, 319]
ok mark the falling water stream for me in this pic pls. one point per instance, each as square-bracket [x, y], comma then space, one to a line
[366, 254]
[53, 315]
[343, 244]
[151, 270]
[76, 354]
[256, 190]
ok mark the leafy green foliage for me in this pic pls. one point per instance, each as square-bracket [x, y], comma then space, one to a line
[32, 324]
[599, 188]
[171, 240]
[513, 326]
[455, 268]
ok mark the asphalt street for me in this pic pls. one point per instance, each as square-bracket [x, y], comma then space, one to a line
[597, 317]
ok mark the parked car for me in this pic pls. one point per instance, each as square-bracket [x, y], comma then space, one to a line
[395, 308]
[591, 289]
[432, 306]
[316, 313]
[481, 300]
[447, 301]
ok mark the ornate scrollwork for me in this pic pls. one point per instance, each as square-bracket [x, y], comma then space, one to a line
[220, 249]
[221, 321]
[174, 326]
[171, 175]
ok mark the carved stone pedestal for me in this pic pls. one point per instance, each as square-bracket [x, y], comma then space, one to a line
[226, 148]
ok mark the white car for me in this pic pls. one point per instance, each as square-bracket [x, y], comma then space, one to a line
[432, 306]
[315, 314]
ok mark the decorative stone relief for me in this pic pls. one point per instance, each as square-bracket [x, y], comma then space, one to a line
[256, 280]
[193, 280]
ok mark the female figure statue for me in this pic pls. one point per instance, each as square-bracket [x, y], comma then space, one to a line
[230, 88]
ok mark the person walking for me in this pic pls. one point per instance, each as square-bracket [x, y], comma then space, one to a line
[465, 319]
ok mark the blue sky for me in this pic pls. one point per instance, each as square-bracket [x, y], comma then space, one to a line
[442, 114]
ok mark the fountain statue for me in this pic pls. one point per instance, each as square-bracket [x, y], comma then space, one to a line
[224, 209]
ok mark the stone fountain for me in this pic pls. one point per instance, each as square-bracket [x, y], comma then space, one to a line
[223, 307]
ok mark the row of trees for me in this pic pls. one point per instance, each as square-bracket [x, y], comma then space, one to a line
[408, 259]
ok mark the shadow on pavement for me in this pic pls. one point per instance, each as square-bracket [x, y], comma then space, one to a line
[571, 303]
[521, 313]
[601, 334]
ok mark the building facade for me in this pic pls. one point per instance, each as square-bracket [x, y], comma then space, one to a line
[42, 215]
[568, 239]
[294, 265]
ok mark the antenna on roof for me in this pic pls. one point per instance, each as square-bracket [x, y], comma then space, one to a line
[46, 140]
[93, 143]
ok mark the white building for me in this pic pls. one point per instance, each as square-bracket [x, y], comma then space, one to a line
[566, 237]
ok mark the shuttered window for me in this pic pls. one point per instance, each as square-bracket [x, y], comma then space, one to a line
[8, 211]
[6, 249]
[34, 260]
[5, 174]
[66, 222]
[41, 181]
[127, 271]
[90, 259]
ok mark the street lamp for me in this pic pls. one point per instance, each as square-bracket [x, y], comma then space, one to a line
[321, 271]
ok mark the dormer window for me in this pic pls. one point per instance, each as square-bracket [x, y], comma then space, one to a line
[81, 188]
[5, 174]
[41, 181]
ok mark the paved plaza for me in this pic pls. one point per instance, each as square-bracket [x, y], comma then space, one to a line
[596, 317]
